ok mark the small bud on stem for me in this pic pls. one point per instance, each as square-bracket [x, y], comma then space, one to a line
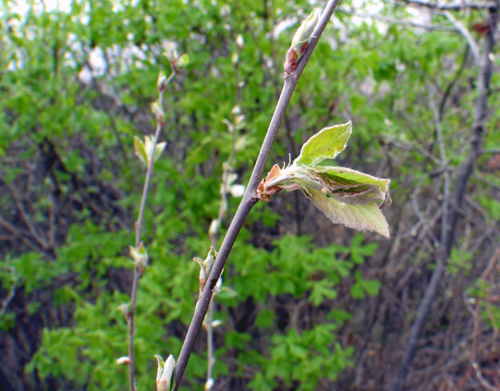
[300, 42]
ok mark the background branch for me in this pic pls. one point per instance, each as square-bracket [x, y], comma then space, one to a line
[452, 7]
[449, 224]
[138, 228]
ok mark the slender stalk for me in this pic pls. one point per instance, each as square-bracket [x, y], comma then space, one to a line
[210, 345]
[227, 169]
[250, 197]
[138, 229]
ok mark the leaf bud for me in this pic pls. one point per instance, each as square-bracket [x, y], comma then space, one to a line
[140, 150]
[230, 125]
[300, 42]
[235, 58]
[162, 81]
[165, 380]
[124, 308]
[238, 120]
[213, 230]
[239, 41]
[216, 323]
[123, 360]
[158, 112]
[171, 52]
[236, 110]
[140, 257]
[304, 33]
[209, 384]
[237, 190]
[182, 62]
[206, 267]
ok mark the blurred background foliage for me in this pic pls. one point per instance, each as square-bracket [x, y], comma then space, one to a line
[307, 305]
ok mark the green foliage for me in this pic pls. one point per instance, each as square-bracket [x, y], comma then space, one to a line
[66, 146]
[298, 359]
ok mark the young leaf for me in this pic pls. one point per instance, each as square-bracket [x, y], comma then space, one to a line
[345, 196]
[140, 150]
[326, 144]
[350, 186]
[359, 217]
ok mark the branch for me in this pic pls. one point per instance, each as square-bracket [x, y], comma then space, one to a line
[138, 228]
[452, 83]
[12, 291]
[452, 7]
[398, 22]
[249, 199]
[463, 30]
[493, 150]
[449, 226]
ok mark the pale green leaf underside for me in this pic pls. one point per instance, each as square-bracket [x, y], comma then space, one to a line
[359, 217]
[352, 177]
[326, 144]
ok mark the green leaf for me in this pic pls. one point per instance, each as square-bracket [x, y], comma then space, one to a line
[360, 217]
[140, 150]
[326, 144]
[351, 177]
[344, 184]
[372, 287]
[345, 196]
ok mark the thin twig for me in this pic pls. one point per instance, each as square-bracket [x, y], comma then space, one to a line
[138, 228]
[397, 22]
[491, 150]
[250, 197]
[227, 169]
[468, 37]
[451, 7]
[12, 291]
[447, 92]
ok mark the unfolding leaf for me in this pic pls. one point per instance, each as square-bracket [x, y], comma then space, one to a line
[345, 196]
[140, 149]
[350, 186]
[360, 217]
[144, 149]
[326, 144]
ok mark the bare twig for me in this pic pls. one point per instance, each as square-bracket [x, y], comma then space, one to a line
[398, 22]
[250, 197]
[490, 150]
[452, 7]
[487, 182]
[35, 233]
[468, 37]
[447, 92]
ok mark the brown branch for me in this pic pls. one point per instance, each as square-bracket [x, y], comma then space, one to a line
[452, 7]
[468, 37]
[430, 27]
[250, 197]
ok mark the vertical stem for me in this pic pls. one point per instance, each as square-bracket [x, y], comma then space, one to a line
[210, 344]
[138, 228]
